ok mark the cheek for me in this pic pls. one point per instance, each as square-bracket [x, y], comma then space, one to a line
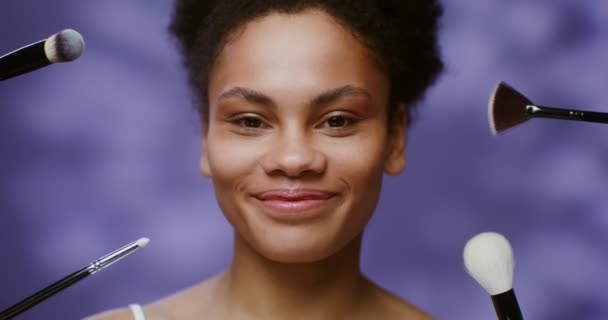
[231, 163]
[362, 156]
[360, 165]
[229, 159]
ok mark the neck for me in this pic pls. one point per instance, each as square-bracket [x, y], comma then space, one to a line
[260, 288]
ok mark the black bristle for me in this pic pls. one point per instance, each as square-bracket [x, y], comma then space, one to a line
[507, 108]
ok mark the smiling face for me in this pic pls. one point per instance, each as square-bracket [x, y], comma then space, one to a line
[297, 139]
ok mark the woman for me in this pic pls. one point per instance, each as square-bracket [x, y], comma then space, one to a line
[304, 106]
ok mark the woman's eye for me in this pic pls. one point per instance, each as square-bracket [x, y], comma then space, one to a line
[337, 122]
[250, 122]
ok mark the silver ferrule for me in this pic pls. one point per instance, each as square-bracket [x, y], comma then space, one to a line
[110, 258]
[555, 113]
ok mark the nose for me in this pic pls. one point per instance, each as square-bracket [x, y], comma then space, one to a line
[294, 156]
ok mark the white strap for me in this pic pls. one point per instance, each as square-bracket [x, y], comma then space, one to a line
[138, 312]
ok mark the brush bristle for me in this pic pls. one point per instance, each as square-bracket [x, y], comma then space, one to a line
[488, 258]
[507, 108]
[142, 242]
[64, 46]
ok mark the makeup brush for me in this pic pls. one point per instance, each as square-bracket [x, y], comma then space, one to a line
[71, 279]
[64, 46]
[488, 258]
[509, 108]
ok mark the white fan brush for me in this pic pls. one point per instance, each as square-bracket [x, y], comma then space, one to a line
[488, 258]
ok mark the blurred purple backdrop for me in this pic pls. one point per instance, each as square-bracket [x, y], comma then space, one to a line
[99, 152]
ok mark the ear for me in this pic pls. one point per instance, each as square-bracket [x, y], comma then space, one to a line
[394, 162]
[204, 162]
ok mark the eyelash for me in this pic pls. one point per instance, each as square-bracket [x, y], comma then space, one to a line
[349, 123]
[240, 122]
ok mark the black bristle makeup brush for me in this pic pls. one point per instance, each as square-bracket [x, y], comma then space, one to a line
[509, 108]
[488, 258]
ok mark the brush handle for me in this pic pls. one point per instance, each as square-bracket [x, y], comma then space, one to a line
[43, 294]
[565, 114]
[23, 60]
[506, 306]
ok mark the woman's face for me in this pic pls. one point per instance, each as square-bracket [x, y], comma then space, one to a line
[297, 139]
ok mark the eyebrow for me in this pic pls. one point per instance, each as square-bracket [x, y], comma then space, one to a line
[247, 94]
[322, 99]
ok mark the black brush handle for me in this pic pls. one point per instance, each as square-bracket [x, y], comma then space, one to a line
[566, 114]
[43, 294]
[24, 60]
[506, 306]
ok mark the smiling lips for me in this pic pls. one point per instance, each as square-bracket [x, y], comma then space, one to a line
[289, 201]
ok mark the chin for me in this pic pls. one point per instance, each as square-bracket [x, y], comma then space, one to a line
[294, 248]
[310, 255]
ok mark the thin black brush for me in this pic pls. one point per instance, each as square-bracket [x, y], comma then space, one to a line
[71, 279]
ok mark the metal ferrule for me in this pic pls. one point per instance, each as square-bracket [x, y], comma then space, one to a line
[110, 258]
[555, 113]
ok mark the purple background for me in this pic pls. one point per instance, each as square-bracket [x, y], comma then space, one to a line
[102, 151]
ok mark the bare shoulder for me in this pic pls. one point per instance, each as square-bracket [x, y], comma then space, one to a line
[151, 313]
[391, 306]
[197, 301]
[183, 304]
[116, 314]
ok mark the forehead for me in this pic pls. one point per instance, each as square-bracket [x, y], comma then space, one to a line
[309, 49]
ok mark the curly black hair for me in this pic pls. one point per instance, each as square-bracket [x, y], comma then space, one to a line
[400, 34]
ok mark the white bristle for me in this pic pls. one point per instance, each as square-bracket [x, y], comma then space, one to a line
[142, 242]
[491, 109]
[488, 258]
[66, 45]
